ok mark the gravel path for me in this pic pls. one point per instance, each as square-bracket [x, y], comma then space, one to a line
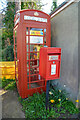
[11, 108]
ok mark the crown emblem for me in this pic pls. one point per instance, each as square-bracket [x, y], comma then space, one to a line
[36, 14]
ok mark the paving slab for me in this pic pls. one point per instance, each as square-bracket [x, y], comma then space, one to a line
[11, 108]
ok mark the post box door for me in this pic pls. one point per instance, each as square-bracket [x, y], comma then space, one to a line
[53, 66]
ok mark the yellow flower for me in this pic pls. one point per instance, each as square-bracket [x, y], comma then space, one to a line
[50, 93]
[59, 99]
[66, 98]
[52, 101]
[77, 100]
[59, 90]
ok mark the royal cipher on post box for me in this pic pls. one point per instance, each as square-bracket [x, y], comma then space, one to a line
[50, 60]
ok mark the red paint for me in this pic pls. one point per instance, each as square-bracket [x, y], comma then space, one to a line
[25, 79]
[50, 58]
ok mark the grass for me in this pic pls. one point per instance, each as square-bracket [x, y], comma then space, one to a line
[62, 103]
[34, 107]
[8, 84]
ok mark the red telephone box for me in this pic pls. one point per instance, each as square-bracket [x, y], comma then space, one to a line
[50, 60]
[31, 32]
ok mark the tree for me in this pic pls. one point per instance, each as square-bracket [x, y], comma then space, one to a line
[32, 4]
[7, 32]
[8, 22]
[17, 5]
[8, 19]
[54, 5]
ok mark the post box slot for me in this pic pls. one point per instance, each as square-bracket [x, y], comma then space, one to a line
[54, 53]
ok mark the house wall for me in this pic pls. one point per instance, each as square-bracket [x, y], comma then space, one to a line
[79, 50]
[64, 31]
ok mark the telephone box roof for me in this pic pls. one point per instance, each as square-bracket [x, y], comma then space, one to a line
[32, 10]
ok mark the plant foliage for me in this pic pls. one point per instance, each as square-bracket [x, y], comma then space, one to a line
[34, 106]
[8, 24]
[8, 53]
[8, 21]
[8, 84]
[54, 5]
[7, 32]
[32, 5]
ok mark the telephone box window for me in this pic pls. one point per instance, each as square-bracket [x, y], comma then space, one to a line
[39, 84]
[26, 39]
[34, 41]
[44, 36]
[27, 31]
[27, 48]
[27, 56]
[44, 40]
[16, 63]
[27, 64]
[36, 31]
[44, 32]
[31, 48]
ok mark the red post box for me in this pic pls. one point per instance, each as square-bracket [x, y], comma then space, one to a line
[50, 60]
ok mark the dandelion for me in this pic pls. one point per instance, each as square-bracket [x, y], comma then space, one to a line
[60, 91]
[52, 101]
[77, 101]
[59, 99]
[50, 93]
[66, 98]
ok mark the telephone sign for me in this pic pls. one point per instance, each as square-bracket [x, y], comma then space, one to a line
[35, 18]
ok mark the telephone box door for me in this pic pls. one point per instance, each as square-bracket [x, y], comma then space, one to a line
[35, 39]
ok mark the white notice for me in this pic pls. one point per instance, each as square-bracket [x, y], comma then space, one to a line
[36, 39]
[53, 69]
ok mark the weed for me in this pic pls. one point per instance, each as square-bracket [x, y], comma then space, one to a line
[8, 84]
[11, 86]
[70, 107]
[34, 107]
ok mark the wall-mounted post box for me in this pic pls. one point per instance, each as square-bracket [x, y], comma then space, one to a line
[49, 65]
